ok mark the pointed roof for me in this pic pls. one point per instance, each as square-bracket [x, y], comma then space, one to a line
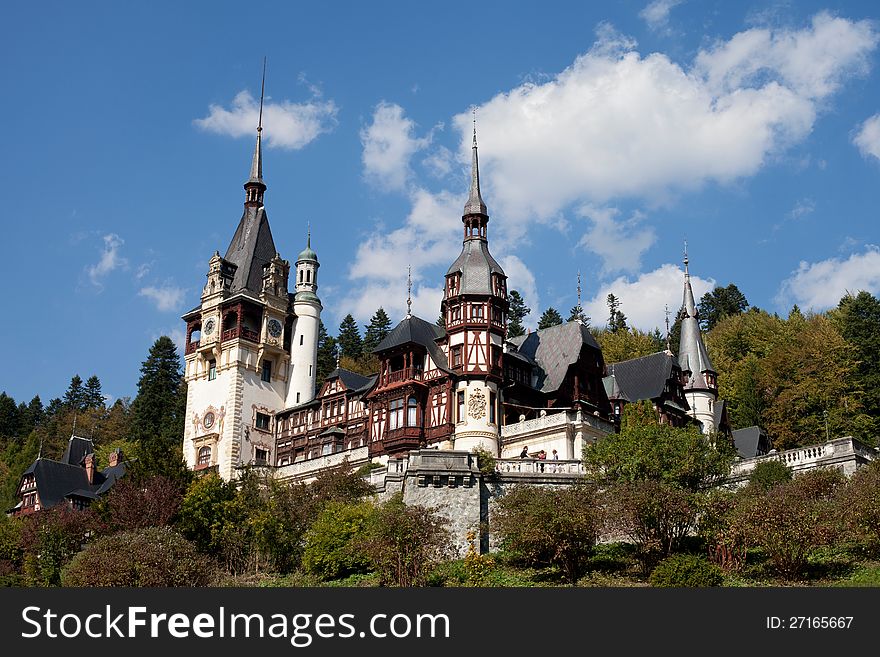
[475, 204]
[351, 380]
[555, 349]
[251, 249]
[307, 254]
[639, 378]
[692, 354]
[77, 449]
[417, 331]
[257, 162]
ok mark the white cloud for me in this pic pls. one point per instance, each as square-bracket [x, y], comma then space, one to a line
[389, 144]
[802, 208]
[110, 261]
[616, 124]
[643, 300]
[820, 285]
[521, 279]
[868, 137]
[656, 13]
[166, 297]
[177, 335]
[286, 124]
[620, 244]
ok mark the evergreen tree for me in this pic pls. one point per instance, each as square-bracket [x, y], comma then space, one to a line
[577, 313]
[675, 335]
[441, 321]
[55, 405]
[9, 419]
[158, 413]
[858, 318]
[349, 339]
[74, 398]
[516, 315]
[30, 416]
[616, 319]
[551, 317]
[326, 354]
[92, 395]
[376, 330]
[720, 303]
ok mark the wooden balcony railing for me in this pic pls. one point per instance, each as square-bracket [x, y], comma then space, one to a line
[406, 374]
[191, 347]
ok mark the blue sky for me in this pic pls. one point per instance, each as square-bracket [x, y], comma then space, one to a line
[609, 134]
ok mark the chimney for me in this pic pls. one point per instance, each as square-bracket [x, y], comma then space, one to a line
[115, 457]
[91, 466]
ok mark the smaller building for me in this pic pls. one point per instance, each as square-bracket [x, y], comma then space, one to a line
[751, 442]
[74, 480]
[658, 378]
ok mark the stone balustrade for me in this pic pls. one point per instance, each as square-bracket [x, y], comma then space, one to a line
[551, 421]
[301, 470]
[844, 453]
[539, 466]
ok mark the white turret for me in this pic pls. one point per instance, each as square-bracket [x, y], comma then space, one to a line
[304, 344]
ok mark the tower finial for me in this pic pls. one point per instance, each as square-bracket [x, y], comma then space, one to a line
[262, 94]
[686, 272]
[579, 288]
[255, 185]
[408, 291]
[668, 347]
[475, 203]
[309, 235]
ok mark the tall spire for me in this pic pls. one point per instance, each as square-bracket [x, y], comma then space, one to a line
[688, 304]
[475, 203]
[408, 291]
[693, 356]
[255, 185]
[668, 346]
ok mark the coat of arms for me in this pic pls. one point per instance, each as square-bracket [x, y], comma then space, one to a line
[477, 404]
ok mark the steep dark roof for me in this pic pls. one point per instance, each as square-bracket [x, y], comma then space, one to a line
[416, 330]
[554, 349]
[639, 378]
[748, 440]
[476, 266]
[251, 248]
[352, 380]
[76, 450]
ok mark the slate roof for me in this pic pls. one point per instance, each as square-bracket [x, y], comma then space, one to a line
[554, 349]
[416, 330]
[352, 380]
[476, 266]
[56, 481]
[639, 378]
[76, 450]
[692, 354]
[251, 249]
[748, 440]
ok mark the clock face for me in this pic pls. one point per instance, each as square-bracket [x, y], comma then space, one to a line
[209, 327]
[274, 328]
[208, 420]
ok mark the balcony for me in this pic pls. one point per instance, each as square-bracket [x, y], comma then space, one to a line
[243, 333]
[406, 374]
[192, 347]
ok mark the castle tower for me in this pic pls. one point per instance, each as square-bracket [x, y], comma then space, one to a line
[238, 344]
[475, 308]
[701, 389]
[304, 346]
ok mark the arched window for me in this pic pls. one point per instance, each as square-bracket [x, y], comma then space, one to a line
[204, 456]
[411, 412]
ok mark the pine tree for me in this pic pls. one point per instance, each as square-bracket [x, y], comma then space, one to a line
[9, 419]
[158, 413]
[349, 338]
[31, 416]
[441, 321]
[326, 354]
[577, 313]
[551, 317]
[92, 395]
[720, 303]
[376, 330]
[616, 319]
[74, 398]
[516, 315]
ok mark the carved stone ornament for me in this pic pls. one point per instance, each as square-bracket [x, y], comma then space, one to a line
[477, 404]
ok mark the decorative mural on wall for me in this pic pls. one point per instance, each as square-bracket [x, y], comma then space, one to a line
[477, 404]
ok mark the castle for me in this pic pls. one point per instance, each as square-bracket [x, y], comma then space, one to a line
[251, 363]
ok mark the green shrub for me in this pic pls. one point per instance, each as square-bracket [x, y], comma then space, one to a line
[769, 473]
[685, 570]
[155, 556]
[329, 543]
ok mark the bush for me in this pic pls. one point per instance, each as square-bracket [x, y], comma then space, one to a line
[405, 543]
[686, 570]
[858, 504]
[654, 515]
[156, 556]
[789, 521]
[50, 539]
[549, 526]
[330, 551]
[769, 473]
